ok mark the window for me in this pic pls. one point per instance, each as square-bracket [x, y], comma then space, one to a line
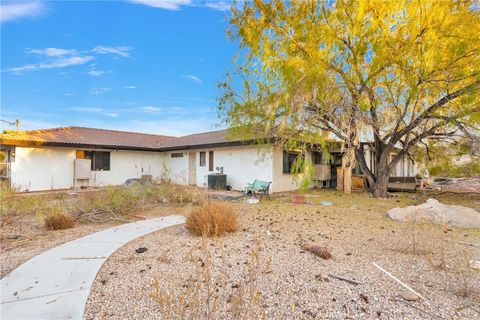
[317, 157]
[177, 155]
[100, 160]
[210, 160]
[203, 158]
[289, 159]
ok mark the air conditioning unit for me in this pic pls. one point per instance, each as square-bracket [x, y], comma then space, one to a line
[82, 171]
[322, 172]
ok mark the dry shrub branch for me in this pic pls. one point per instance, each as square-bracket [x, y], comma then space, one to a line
[202, 296]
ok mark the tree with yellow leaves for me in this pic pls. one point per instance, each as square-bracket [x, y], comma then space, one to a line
[396, 73]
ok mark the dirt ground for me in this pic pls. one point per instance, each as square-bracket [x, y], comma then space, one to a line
[292, 282]
[27, 237]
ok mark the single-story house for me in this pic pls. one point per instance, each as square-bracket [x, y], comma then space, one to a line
[71, 157]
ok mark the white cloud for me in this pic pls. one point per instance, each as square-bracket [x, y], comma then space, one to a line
[163, 4]
[10, 11]
[95, 110]
[67, 94]
[178, 4]
[111, 114]
[150, 109]
[100, 90]
[53, 52]
[130, 87]
[121, 51]
[95, 72]
[61, 62]
[219, 5]
[193, 78]
[61, 58]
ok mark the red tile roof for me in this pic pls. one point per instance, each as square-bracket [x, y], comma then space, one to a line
[80, 136]
[102, 138]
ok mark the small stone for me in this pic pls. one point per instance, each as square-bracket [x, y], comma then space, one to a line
[410, 296]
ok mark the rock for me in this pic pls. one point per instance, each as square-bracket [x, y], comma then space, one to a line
[437, 213]
[322, 252]
[326, 203]
[410, 296]
[474, 264]
[141, 250]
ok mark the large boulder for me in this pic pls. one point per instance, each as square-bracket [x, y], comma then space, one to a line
[437, 213]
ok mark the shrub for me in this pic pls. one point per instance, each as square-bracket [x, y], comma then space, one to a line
[179, 194]
[55, 219]
[14, 206]
[212, 219]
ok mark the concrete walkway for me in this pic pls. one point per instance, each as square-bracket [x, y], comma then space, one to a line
[56, 283]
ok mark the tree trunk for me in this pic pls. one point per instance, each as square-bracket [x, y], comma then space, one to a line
[347, 179]
[380, 186]
[348, 159]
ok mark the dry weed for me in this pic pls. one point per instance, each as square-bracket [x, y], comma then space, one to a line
[202, 295]
[212, 219]
[55, 219]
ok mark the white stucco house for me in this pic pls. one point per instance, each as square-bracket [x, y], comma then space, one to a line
[71, 157]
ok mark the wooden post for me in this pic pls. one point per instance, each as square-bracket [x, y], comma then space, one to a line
[340, 179]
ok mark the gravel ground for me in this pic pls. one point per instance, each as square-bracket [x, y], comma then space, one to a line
[27, 237]
[292, 282]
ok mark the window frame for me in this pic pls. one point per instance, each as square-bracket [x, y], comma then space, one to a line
[287, 164]
[203, 159]
[99, 160]
[176, 155]
[210, 161]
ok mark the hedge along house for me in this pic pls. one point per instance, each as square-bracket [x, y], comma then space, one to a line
[71, 157]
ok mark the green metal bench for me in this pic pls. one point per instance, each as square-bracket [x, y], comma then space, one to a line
[258, 187]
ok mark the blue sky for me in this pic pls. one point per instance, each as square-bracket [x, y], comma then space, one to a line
[140, 65]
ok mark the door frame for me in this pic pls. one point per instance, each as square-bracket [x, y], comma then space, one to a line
[192, 168]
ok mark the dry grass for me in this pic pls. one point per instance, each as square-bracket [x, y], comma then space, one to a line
[212, 219]
[55, 219]
[200, 297]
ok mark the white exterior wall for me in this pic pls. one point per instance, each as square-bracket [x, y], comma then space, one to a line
[241, 164]
[125, 164]
[42, 168]
[45, 168]
[284, 181]
[177, 167]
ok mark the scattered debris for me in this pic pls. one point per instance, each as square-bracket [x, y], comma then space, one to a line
[400, 282]
[141, 250]
[416, 308]
[344, 279]
[364, 297]
[253, 201]
[456, 184]
[437, 213]
[322, 252]
[16, 237]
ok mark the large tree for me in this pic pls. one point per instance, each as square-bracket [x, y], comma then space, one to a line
[395, 73]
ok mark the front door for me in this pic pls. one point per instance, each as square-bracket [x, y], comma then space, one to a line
[192, 168]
